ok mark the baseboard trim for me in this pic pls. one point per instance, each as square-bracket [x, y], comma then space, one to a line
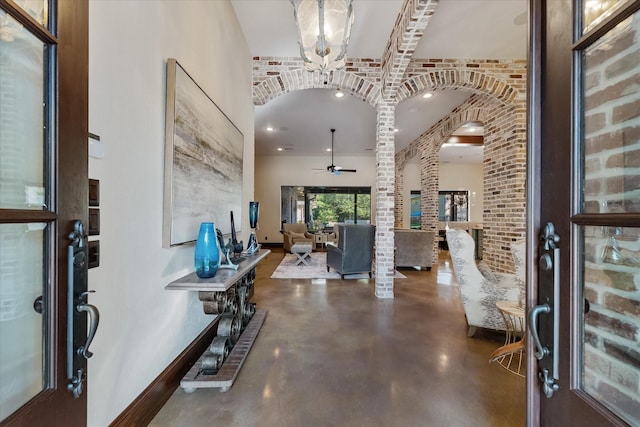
[142, 410]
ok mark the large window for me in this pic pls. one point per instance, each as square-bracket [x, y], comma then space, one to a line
[415, 210]
[453, 206]
[322, 207]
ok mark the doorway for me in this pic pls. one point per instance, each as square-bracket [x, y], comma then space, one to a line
[43, 159]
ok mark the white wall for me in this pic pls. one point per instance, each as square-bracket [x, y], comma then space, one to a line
[272, 172]
[453, 176]
[142, 326]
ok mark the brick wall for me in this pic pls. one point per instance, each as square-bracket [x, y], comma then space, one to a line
[499, 102]
[612, 185]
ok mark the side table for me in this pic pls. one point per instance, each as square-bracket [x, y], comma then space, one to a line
[511, 355]
[320, 239]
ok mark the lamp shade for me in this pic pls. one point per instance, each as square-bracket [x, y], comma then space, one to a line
[324, 27]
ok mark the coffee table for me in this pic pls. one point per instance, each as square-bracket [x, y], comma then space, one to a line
[302, 252]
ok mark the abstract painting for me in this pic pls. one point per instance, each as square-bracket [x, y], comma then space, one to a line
[203, 162]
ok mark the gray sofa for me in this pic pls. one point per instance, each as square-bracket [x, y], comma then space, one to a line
[354, 251]
[414, 248]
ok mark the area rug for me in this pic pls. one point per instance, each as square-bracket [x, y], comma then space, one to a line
[317, 269]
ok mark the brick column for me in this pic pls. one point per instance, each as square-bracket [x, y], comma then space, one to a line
[399, 202]
[385, 188]
[429, 186]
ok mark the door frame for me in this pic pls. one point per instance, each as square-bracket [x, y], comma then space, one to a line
[68, 173]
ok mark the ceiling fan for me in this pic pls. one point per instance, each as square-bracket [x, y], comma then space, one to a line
[333, 168]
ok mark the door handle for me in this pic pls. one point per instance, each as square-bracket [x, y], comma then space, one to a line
[542, 351]
[549, 282]
[77, 305]
[94, 320]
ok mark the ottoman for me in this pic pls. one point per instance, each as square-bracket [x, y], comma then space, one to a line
[302, 251]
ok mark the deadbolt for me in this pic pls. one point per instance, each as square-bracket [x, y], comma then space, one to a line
[38, 305]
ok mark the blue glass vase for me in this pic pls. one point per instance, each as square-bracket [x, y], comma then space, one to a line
[254, 209]
[207, 256]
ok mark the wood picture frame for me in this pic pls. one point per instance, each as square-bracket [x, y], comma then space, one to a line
[203, 161]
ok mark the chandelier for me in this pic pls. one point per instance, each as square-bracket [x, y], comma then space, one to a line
[324, 27]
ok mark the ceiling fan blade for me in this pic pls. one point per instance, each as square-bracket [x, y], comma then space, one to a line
[341, 169]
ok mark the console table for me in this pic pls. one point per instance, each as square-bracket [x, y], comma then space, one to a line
[228, 296]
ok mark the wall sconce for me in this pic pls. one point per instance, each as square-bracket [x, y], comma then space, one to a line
[324, 27]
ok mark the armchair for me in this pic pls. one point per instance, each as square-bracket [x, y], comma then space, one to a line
[354, 252]
[479, 291]
[295, 233]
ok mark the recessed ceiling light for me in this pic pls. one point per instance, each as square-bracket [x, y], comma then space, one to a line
[269, 129]
[339, 94]
[280, 149]
[328, 149]
[396, 130]
[427, 95]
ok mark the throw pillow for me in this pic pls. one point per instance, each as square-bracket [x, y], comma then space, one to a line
[486, 272]
[295, 235]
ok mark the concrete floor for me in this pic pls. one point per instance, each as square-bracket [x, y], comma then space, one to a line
[331, 354]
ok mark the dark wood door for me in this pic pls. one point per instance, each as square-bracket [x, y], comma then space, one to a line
[43, 190]
[584, 195]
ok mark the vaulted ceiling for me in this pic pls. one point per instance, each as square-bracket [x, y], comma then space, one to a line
[301, 120]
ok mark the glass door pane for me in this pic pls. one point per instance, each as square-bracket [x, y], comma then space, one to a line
[24, 185]
[608, 353]
[611, 99]
[22, 138]
[22, 281]
[37, 9]
[610, 349]
[594, 11]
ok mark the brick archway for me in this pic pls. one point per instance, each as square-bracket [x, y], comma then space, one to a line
[477, 81]
[504, 201]
[298, 79]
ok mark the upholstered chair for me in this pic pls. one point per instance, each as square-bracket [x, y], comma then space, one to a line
[518, 252]
[295, 233]
[480, 290]
[354, 251]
